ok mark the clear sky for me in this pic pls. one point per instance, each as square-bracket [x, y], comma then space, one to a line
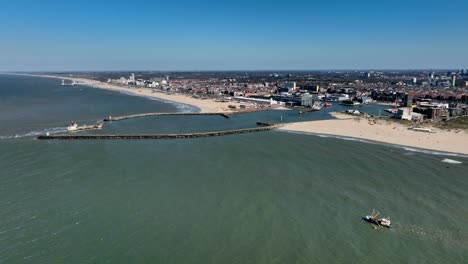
[67, 35]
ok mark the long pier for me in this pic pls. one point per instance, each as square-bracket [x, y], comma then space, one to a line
[118, 118]
[264, 127]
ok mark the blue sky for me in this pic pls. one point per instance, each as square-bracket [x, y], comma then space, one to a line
[232, 35]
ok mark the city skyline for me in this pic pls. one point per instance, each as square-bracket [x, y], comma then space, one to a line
[209, 36]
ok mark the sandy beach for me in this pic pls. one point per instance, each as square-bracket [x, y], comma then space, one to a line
[455, 141]
[205, 106]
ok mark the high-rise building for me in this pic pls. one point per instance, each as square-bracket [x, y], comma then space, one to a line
[415, 80]
[407, 100]
[454, 80]
[291, 86]
[307, 100]
[311, 88]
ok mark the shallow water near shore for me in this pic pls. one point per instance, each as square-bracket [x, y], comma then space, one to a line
[270, 197]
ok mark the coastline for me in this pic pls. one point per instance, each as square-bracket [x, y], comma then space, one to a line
[455, 142]
[203, 106]
[342, 126]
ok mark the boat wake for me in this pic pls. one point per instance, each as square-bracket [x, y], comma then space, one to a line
[54, 130]
[432, 235]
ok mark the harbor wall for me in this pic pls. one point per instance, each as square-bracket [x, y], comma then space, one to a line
[118, 118]
[264, 127]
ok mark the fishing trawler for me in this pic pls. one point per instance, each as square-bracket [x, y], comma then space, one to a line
[372, 218]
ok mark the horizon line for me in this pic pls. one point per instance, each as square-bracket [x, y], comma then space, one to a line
[238, 70]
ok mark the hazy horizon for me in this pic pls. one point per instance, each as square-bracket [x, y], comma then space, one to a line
[233, 70]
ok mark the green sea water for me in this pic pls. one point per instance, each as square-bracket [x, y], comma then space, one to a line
[269, 197]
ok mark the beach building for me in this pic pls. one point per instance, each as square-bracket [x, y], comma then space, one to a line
[407, 100]
[432, 112]
[403, 113]
[406, 113]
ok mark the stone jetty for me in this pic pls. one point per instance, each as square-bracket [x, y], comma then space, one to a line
[118, 118]
[263, 127]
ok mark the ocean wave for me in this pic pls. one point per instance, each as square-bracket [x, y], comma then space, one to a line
[184, 108]
[333, 136]
[433, 152]
[412, 149]
[54, 130]
[451, 161]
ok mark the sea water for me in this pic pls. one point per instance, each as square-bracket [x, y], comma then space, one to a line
[267, 197]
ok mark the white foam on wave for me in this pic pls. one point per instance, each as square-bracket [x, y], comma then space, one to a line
[451, 161]
[425, 151]
[333, 136]
[53, 130]
[433, 152]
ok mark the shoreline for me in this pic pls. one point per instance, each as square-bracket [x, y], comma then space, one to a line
[201, 106]
[384, 132]
[358, 128]
[370, 141]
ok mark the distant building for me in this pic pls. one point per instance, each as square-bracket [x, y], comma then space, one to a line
[407, 100]
[454, 80]
[311, 88]
[282, 90]
[364, 99]
[291, 86]
[307, 100]
[403, 113]
[140, 82]
[444, 83]
[433, 112]
[415, 80]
